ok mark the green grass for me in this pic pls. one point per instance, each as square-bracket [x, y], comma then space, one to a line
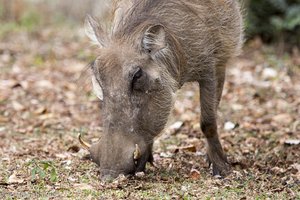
[28, 22]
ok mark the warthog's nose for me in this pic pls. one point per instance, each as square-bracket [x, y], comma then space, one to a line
[108, 175]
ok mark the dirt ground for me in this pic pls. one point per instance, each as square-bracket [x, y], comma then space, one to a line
[46, 100]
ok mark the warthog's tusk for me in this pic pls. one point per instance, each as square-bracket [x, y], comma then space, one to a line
[137, 152]
[84, 144]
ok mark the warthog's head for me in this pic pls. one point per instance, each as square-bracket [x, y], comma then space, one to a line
[134, 77]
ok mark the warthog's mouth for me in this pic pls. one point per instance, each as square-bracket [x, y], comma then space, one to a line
[126, 161]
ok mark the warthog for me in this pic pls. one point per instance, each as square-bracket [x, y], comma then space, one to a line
[150, 50]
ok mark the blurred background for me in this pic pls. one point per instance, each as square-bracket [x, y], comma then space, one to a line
[274, 21]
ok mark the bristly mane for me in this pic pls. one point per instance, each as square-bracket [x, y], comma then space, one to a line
[139, 13]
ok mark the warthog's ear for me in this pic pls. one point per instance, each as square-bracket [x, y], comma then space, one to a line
[154, 39]
[97, 88]
[94, 31]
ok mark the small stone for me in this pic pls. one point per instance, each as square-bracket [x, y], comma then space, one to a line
[176, 125]
[292, 142]
[229, 126]
[140, 174]
[217, 176]
[184, 188]
[269, 73]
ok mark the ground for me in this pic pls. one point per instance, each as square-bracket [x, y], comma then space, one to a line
[46, 100]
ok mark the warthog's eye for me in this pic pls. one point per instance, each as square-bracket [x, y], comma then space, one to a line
[138, 80]
[138, 74]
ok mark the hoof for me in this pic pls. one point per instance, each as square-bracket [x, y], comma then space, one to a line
[219, 164]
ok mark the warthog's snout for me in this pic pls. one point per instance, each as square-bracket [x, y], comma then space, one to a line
[125, 158]
[108, 175]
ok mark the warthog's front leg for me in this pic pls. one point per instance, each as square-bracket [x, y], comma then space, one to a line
[209, 99]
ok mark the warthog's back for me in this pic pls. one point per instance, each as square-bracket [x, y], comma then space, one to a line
[208, 31]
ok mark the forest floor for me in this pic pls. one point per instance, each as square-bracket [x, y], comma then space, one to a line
[45, 102]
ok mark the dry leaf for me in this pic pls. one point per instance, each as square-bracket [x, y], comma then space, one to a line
[283, 118]
[195, 174]
[17, 106]
[13, 179]
[120, 179]
[296, 166]
[40, 110]
[4, 84]
[44, 84]
[190, 148]
[3, 119]
[278, 170]
[46, 116]
[83, 186]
